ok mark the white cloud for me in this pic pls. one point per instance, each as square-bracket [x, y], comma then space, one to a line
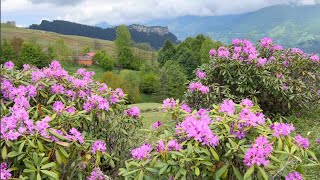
[130, 11]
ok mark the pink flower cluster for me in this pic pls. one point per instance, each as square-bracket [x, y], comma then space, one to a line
[141, 152]
[282, 129]
[258, 153]
[133, 112]
[156, 125]
[96, 174]
[98, 145]
[172, 145]
[75, 135]
[8, 65]
[212, 52]
[227, 106]
[4, 172]
[301, 141]
[200, 74]
[96, 101]
[244, 50]
[251, 119]
[198, 86]
[294, 176]
[197, 127]
[168, 103]
[246, 103]
[185, 107]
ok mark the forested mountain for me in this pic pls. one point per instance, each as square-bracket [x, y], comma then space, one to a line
[154, 35]
[288, 25]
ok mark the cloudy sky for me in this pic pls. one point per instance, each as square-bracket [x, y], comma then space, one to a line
[26, 12]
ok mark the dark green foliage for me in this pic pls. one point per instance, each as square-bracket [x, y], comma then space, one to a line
[7, 52]
[126, 58]
[173, 80]
[85, 50]
[166, 53]
[59, 50]
[123, 37]
[16, 43]
[187, 61]
[150, 83]
[205, 48]
[104, 60]
[31, 53]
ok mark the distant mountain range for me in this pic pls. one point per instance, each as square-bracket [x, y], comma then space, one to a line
[154, 35]
[288, 25]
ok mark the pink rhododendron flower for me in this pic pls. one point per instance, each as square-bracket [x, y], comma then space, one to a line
[294, 176]
[57, 89]
[58, 107]
[277, 48]
[200, 74]
[223, 52]
[98, 145]
[26, 67]
[4, 171]
[133, 112]
[96, 174]
[302, 142]
[169, 103]
[8, 65]
[246, 103]
[76, 135]
[283, 129]
[250, 118]
[314, 58]
[198, 86]
[227, 106]
[279, 75]
[185, 107]
[266, 42]
[261, 61]
[297, 50]
[42, 126]
[258, 153]
[174, 145]
[141, 152]
[212, 52]
[161, 147]
[156, 125]
[285, 87]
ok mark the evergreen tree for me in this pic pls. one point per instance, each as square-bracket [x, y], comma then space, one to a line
[173, 80]
[166, 53]
[187, 61]
[123, 41]
[7, 52]
[205, 48]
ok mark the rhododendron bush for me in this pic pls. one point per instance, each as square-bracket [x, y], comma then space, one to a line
[281, 80]
[60, 126]
[230, 141]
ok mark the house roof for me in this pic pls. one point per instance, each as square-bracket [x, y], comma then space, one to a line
[85, 58]
[91, 53]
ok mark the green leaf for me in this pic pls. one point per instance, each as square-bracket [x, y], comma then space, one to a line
[50, 173]
[13, 154]
[49, 165]
[197, 171]
[38, 176]
[131, 172]
[248, 173]
[152, 170]
[4, 152]
[51, 99]
[237, 173]
[220, 172]
[21, 146]
[29, 170]
[263, 173]
[160, 164]
[280, 144]
[141, 175]
[312, 155]
[214, 153]
[41, 148]
[58, 157]
[64, 152]
[57, 135]
[162, 170]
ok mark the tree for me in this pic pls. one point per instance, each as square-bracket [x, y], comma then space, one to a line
[125, 55]
[123, 37]
[187, 61]
[16, 43]
[173, 80]
[85, 50]
[104, 60]
[126, 58]
[150, 83]
[60, 50]
[205, 48]
[31, 53]
[7, 52]
[166, 53]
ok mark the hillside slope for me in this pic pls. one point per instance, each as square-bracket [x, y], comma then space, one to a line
[289, 25]
[74, 42]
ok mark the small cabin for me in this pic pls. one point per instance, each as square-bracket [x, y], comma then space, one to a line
[85, 60]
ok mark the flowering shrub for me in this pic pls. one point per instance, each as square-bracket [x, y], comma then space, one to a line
[281, 80]
[230, 141]
[60, 126]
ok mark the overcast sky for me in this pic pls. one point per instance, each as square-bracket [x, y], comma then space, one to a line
[26, 12]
